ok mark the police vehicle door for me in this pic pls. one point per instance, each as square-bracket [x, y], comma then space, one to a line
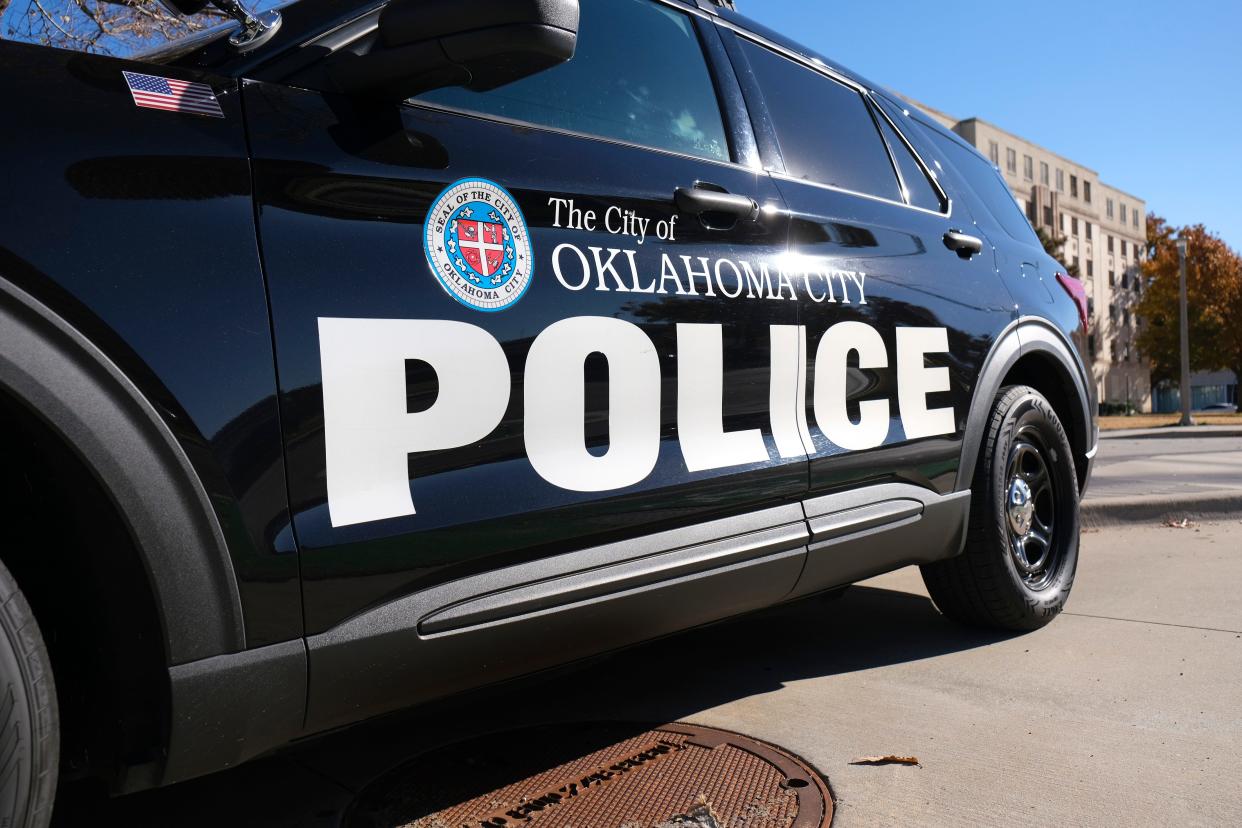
[522, 323]
[898, 304]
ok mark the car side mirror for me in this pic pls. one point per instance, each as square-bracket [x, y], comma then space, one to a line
[482, 44]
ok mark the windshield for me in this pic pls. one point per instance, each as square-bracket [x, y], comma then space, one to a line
[121, 28]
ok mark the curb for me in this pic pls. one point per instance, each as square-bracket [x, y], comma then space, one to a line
[1155, 509]
[1168, 432]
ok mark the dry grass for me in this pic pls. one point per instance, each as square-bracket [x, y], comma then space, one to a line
[1157, 420]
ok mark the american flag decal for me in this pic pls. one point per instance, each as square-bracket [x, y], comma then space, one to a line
[154, 92]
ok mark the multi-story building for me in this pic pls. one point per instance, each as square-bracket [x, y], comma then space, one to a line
[1105, 233]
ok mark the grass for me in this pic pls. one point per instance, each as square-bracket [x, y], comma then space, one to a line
[1114, 423]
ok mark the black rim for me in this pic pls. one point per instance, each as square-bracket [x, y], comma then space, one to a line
[1031, 509]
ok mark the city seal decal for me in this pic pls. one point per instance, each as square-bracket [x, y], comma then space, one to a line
[478, 246]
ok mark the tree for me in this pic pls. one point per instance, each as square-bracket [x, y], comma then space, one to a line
[1213, 300]
[1054, 246]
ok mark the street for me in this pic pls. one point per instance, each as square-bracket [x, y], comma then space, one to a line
[1127, 709]
[1137, 465]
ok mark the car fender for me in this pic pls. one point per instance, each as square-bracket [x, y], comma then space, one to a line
[84, 397]
[1023, 337]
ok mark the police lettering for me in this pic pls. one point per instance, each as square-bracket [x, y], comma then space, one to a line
[369, 433]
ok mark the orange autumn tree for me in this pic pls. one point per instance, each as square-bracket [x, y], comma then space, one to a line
[1213, 298]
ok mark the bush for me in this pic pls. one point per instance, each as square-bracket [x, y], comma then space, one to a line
[1113, 409]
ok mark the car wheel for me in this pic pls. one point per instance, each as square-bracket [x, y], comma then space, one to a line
[1022, 543]
[29, 723]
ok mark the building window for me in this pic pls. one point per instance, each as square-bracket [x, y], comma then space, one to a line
[994, 153]
[1135, 214]
[1090, 268]
[1060, 181]
[1011, 164]
[1086, 191]
[1074, 225]
[1110, 244]
[1123, 247]
[1043, 173]
[1112, 278]
[1048, 216]
[1125, 280]
[1123, 212]
[1076, 267]
[1108, 207]
[1074, 188]
[1088, 231]
[1028, 167]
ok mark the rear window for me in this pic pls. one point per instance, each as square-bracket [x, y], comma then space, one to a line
[825, 131]
[988, 186]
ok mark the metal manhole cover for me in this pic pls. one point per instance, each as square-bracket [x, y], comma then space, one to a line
[600, 776]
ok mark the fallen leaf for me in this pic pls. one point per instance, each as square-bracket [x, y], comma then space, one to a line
[888, 760]
[1172, 523]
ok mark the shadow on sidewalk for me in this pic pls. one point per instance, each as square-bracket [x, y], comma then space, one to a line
[663, 681]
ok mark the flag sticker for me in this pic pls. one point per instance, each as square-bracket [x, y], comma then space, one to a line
[154, 92]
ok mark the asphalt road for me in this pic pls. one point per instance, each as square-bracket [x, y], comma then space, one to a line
[1138, 466]
[1125, 710]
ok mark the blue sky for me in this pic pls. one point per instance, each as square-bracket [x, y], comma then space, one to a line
[1148, 94]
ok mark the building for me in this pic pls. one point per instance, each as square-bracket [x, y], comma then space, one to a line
[1105, 232]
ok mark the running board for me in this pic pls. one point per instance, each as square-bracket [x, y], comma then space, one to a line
[865, 532]
[504, 623]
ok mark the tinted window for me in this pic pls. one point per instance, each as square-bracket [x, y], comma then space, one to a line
[824, 129]
[637, 75]
[919, 190]
[987, 185]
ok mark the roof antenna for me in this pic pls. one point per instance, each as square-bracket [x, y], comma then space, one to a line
[255, 29]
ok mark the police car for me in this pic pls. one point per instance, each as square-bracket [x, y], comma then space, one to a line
[357, 354]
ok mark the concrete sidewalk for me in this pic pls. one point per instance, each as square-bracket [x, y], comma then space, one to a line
[1123, 711]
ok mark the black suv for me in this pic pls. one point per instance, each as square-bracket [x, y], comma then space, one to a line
[399, 349]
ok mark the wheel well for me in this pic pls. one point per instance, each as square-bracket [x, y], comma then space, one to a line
[1046, 375]
[78, 566]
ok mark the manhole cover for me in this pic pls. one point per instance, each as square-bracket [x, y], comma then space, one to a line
[600, 776]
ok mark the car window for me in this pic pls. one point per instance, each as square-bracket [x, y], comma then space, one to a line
[988, 186]
[920, 192]
[638, 75]
[825, 132]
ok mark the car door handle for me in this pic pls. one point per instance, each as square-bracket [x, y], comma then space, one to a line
[965, 245]
[700, 200]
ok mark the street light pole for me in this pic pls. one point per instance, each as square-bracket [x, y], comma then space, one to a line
[1185, 331]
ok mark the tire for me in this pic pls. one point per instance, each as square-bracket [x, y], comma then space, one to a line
[1006, 578]
[29, 722]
